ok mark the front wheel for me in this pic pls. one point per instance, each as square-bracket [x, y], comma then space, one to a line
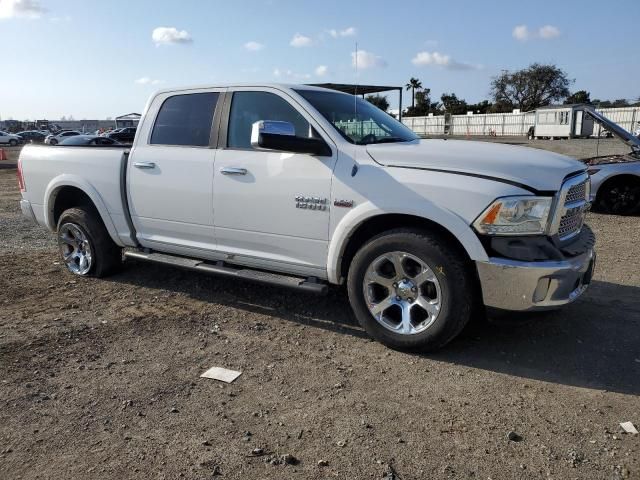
[410, 290]
[53, 141]
[13, 142]
[85, 245]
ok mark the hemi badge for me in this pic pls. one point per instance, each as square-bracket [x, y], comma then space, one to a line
[343, 203]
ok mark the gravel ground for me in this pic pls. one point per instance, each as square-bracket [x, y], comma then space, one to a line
[101, 378]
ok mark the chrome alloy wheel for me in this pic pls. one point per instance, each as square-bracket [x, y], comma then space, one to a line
[75, 248]
[402, 293]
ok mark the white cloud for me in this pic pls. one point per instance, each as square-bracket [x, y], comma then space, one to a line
[347, 32]
[170, 35]
[148, 81]
[521, 32]
[291, 75]
[423, 59]
[21, 8]
[363, 59]
[549, 31]
[253, 46]
[427, 58]
[300, 40]
[321, 70]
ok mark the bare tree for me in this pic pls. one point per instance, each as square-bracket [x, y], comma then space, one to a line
[532, 87]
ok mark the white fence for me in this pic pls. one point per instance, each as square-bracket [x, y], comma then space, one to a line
[500, 124]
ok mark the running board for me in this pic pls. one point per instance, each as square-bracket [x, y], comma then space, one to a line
[310, 285]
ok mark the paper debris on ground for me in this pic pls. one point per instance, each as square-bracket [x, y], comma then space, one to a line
[222, 374]
[629, 427]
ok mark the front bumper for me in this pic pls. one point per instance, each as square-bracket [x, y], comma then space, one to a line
[528, 286]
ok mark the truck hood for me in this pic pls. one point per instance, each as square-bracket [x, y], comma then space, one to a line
[536, 169]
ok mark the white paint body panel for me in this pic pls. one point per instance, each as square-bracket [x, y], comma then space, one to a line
[185, 206]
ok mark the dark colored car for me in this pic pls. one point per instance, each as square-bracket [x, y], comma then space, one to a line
[125, 135]
[88, 141]
[32, 136]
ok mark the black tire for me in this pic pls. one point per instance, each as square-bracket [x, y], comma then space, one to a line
[106, 256]
[53, 141]
[456, 279]
[13, 142]
[619, 196]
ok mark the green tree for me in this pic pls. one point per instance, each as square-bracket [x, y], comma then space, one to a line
[454, 105]
[620, 102]
[532, 87]
[413, 85]
[484, 106]
[379, 101]
[424, 105]
[581, 96]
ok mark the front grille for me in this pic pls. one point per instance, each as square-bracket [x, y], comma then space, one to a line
[573, 208]
[570, 222]
[576, 193]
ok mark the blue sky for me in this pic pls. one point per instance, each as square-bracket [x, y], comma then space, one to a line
[101, 59]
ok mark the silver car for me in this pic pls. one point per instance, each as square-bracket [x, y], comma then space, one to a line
[615, 179]
[54, 139]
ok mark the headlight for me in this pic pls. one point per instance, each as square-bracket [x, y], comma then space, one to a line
[515, 216]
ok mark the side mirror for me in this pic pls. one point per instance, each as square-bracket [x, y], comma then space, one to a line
[281, 136]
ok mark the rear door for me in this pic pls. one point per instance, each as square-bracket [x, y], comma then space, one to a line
[170, 173]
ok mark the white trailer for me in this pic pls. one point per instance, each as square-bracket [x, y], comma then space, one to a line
[563, 121]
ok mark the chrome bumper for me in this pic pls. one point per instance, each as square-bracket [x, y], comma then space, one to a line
[527, 286]
[27, 211]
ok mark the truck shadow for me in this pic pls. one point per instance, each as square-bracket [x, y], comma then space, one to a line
[594, 343]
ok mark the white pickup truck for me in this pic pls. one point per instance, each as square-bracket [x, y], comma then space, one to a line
[303, 187]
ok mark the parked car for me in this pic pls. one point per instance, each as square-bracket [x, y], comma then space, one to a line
[123, 135]
[32, 136]
[55, 138]
[615, 179]
[10, 139]
[107, 132]
[303, 187]
[88, 141]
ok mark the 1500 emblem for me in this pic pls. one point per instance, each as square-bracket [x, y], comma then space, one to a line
[311, 203]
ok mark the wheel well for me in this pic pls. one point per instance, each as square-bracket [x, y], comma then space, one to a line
[632, 179]
[69, 197]
[381, 223]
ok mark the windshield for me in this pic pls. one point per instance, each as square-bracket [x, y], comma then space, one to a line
[357, 120]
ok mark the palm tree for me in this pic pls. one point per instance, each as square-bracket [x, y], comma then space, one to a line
[413, 85]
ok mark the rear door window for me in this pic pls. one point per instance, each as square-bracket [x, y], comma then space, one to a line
[185, 120]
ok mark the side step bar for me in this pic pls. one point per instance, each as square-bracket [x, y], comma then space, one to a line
[310, 285]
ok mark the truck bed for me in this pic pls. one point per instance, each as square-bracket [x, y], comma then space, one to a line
[98, 171]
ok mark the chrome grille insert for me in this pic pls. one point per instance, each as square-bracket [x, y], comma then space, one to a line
[571, 207]
[576, 193]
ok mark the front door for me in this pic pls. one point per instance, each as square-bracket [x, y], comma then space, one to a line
[271, 207]
[170, 174]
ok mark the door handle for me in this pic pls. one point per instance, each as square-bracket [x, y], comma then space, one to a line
[144, 164]
[233, 171]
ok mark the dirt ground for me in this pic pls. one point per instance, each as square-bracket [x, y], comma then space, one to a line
[101, 378]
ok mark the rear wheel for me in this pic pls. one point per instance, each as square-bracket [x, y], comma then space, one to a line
[409, 290]
[13, 142]
[85, 245]
[620, 196]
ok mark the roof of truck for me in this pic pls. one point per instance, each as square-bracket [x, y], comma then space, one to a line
[280, 86]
